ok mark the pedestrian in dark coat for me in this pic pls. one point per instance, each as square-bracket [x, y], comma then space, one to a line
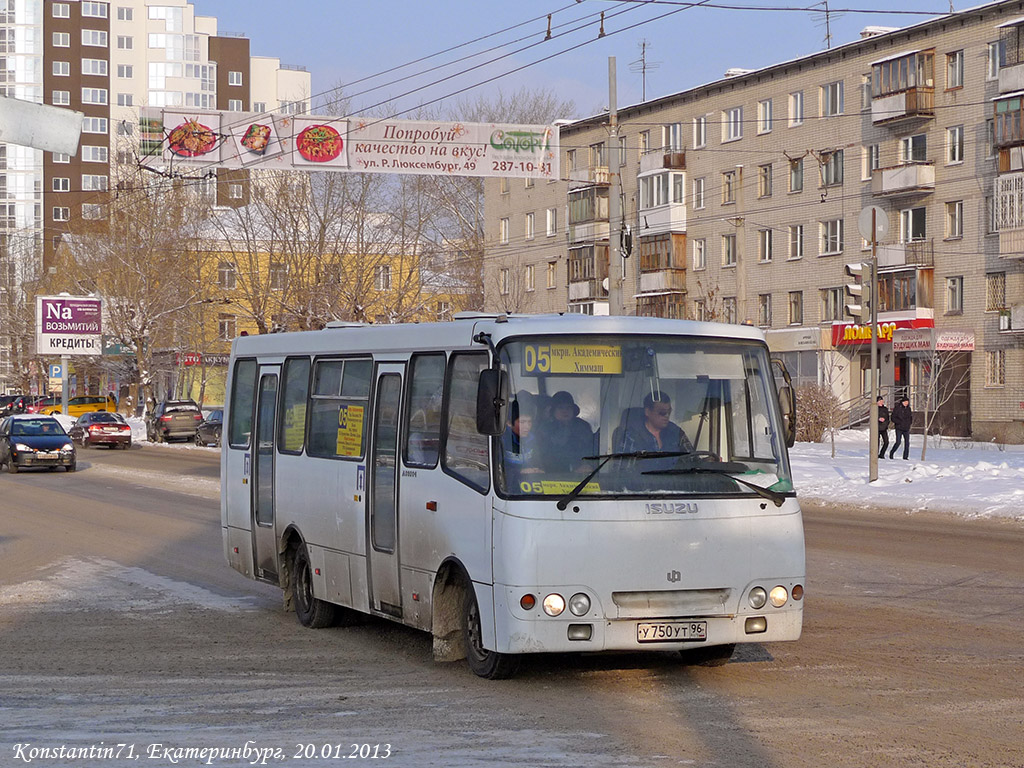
[902, 418]
[883, 427]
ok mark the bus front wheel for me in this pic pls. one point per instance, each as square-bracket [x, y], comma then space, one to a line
[488, 664]
[312, 612]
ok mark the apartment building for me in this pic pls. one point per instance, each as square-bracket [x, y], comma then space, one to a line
[108, 60]
[742, 198]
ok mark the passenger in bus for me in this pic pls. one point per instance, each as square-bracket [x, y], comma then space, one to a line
[518, 444]
[656, 432]
[565, 438]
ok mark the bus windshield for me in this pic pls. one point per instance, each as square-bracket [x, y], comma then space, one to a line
[653, 415]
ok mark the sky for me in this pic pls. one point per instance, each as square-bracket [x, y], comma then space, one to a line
[344, 43]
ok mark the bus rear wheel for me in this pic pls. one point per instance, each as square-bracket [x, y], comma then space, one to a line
[487, 664]
[312, 612]
[714, 656]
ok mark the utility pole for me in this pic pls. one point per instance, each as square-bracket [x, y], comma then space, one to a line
[875, 390]
[614, 204]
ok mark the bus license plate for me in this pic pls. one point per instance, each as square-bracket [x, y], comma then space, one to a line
[671, 631]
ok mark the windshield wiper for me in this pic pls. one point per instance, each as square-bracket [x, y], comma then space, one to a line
[726, 469]
[605, 458]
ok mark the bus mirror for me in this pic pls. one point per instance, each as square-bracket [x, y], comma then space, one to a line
[787, 400]
[491, 401]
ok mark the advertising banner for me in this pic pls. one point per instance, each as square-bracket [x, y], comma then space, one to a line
[68, 325]
[362, 144]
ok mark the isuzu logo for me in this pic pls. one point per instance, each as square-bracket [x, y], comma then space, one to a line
[672, 508]
[674, 576]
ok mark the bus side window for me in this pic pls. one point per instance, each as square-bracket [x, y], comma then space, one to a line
[292, 425]
[243, 390]
[423, 415]
[466, 451]
[338, 405]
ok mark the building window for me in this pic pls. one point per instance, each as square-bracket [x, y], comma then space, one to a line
[125, 42]
[93, 183]
[94, 154]
[955, 144]
[832, 168]
[832, 99]
[552, 274]
[955, 219]
[865, 91]
[61, 39]
[995, 291]
[764, 116]
[94, 95]
[764, 245]
[831, 237]
[234, 105]
[226, 327]
[94, 37]
[503, 287]
[996, 59]
[622, 153]
[94, 125]
[235, 191]
[955, 70]
[672, 137]
[61, 157]
[61, 184]
[570, 159]
[700, 259]
[227, 276]
[700, 132]
[503, 231]
[125, 14]
[61, 68]
[382, 277]
[870, 162]
[796, 108]
[831, 304]
[728, 187]
[698, 194]
[530, 230]
[764, 181]
[729, 312]
[645, 142]
[93, 211]
[61, 214]
[503, 185]
[552, 222]
[729, 253]
[764, 310]
[61, 98]
[796, 175]
[913, 224]
[914, 149]
[94, 10]
[528, 183]
[279, 275]
[125, 100]
[796, 307]
[125, 71]
[732, 124]
[259, 106]
[61, 11]
[796, 241]
[530, 278]
[234, 78]
[995, 368]
[954, 295]
[94, 67]
[597, 155]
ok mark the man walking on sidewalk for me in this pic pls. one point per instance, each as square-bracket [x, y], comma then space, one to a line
[902, 418]
[883, 427]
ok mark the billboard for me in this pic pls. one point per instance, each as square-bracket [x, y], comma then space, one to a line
[69, 325]
[373, 145]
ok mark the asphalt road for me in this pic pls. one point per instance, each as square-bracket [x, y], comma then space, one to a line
[121, 624]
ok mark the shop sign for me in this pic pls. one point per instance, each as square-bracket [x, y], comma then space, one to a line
[912, 340]
[954, 341]
[854, 333]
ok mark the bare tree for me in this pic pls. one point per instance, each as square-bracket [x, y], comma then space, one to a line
[946, 375]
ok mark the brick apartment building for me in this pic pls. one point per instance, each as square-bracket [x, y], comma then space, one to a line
[743, 197]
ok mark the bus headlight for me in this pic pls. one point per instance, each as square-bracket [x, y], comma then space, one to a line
[778, 596]
[757, 598]
[579, 604]
[554, 604]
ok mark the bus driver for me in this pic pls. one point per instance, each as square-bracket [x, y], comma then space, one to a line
[657, 433]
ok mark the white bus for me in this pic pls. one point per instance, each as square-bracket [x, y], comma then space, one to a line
[520, 484]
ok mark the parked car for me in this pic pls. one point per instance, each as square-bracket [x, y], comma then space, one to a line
[173, 419]
[41, 402]
[101, 428]
[30, 440]
[209, 430]
[83, 404]
[11, 404]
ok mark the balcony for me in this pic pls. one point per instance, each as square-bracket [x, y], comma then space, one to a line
[1011, 319]
[911, 104]
[659, 159]
[583, 290]
[919, 253]
[594, 174]
[906, 179]
[663, 219]
[663, 281]
[1011, 243]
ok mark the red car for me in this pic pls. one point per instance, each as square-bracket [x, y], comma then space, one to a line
[101, 428]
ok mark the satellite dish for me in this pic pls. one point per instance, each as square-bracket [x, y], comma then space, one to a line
[604, 284]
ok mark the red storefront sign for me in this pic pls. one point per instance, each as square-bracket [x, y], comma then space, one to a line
[852, 333]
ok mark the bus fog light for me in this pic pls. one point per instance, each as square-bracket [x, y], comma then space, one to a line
[778, 596]
[798, 592]
[581, 631]
[579, 604]
[554, 605]
[527, 602]
[757, 598]
[755, 625]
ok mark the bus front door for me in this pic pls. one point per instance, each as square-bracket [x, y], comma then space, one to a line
[264, 538]
[382, 503]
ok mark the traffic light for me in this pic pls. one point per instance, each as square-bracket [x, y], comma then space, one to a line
[858, 292]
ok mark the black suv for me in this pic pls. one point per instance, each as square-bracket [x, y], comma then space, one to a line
[173, 419]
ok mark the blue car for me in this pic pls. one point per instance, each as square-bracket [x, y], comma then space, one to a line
[30, 440]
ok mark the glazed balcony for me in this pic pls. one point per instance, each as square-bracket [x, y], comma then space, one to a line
[904, 179]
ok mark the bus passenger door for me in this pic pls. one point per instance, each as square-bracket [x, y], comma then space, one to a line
[382, 502]
[264, 537]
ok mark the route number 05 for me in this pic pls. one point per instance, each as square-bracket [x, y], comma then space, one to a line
[537, 358]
